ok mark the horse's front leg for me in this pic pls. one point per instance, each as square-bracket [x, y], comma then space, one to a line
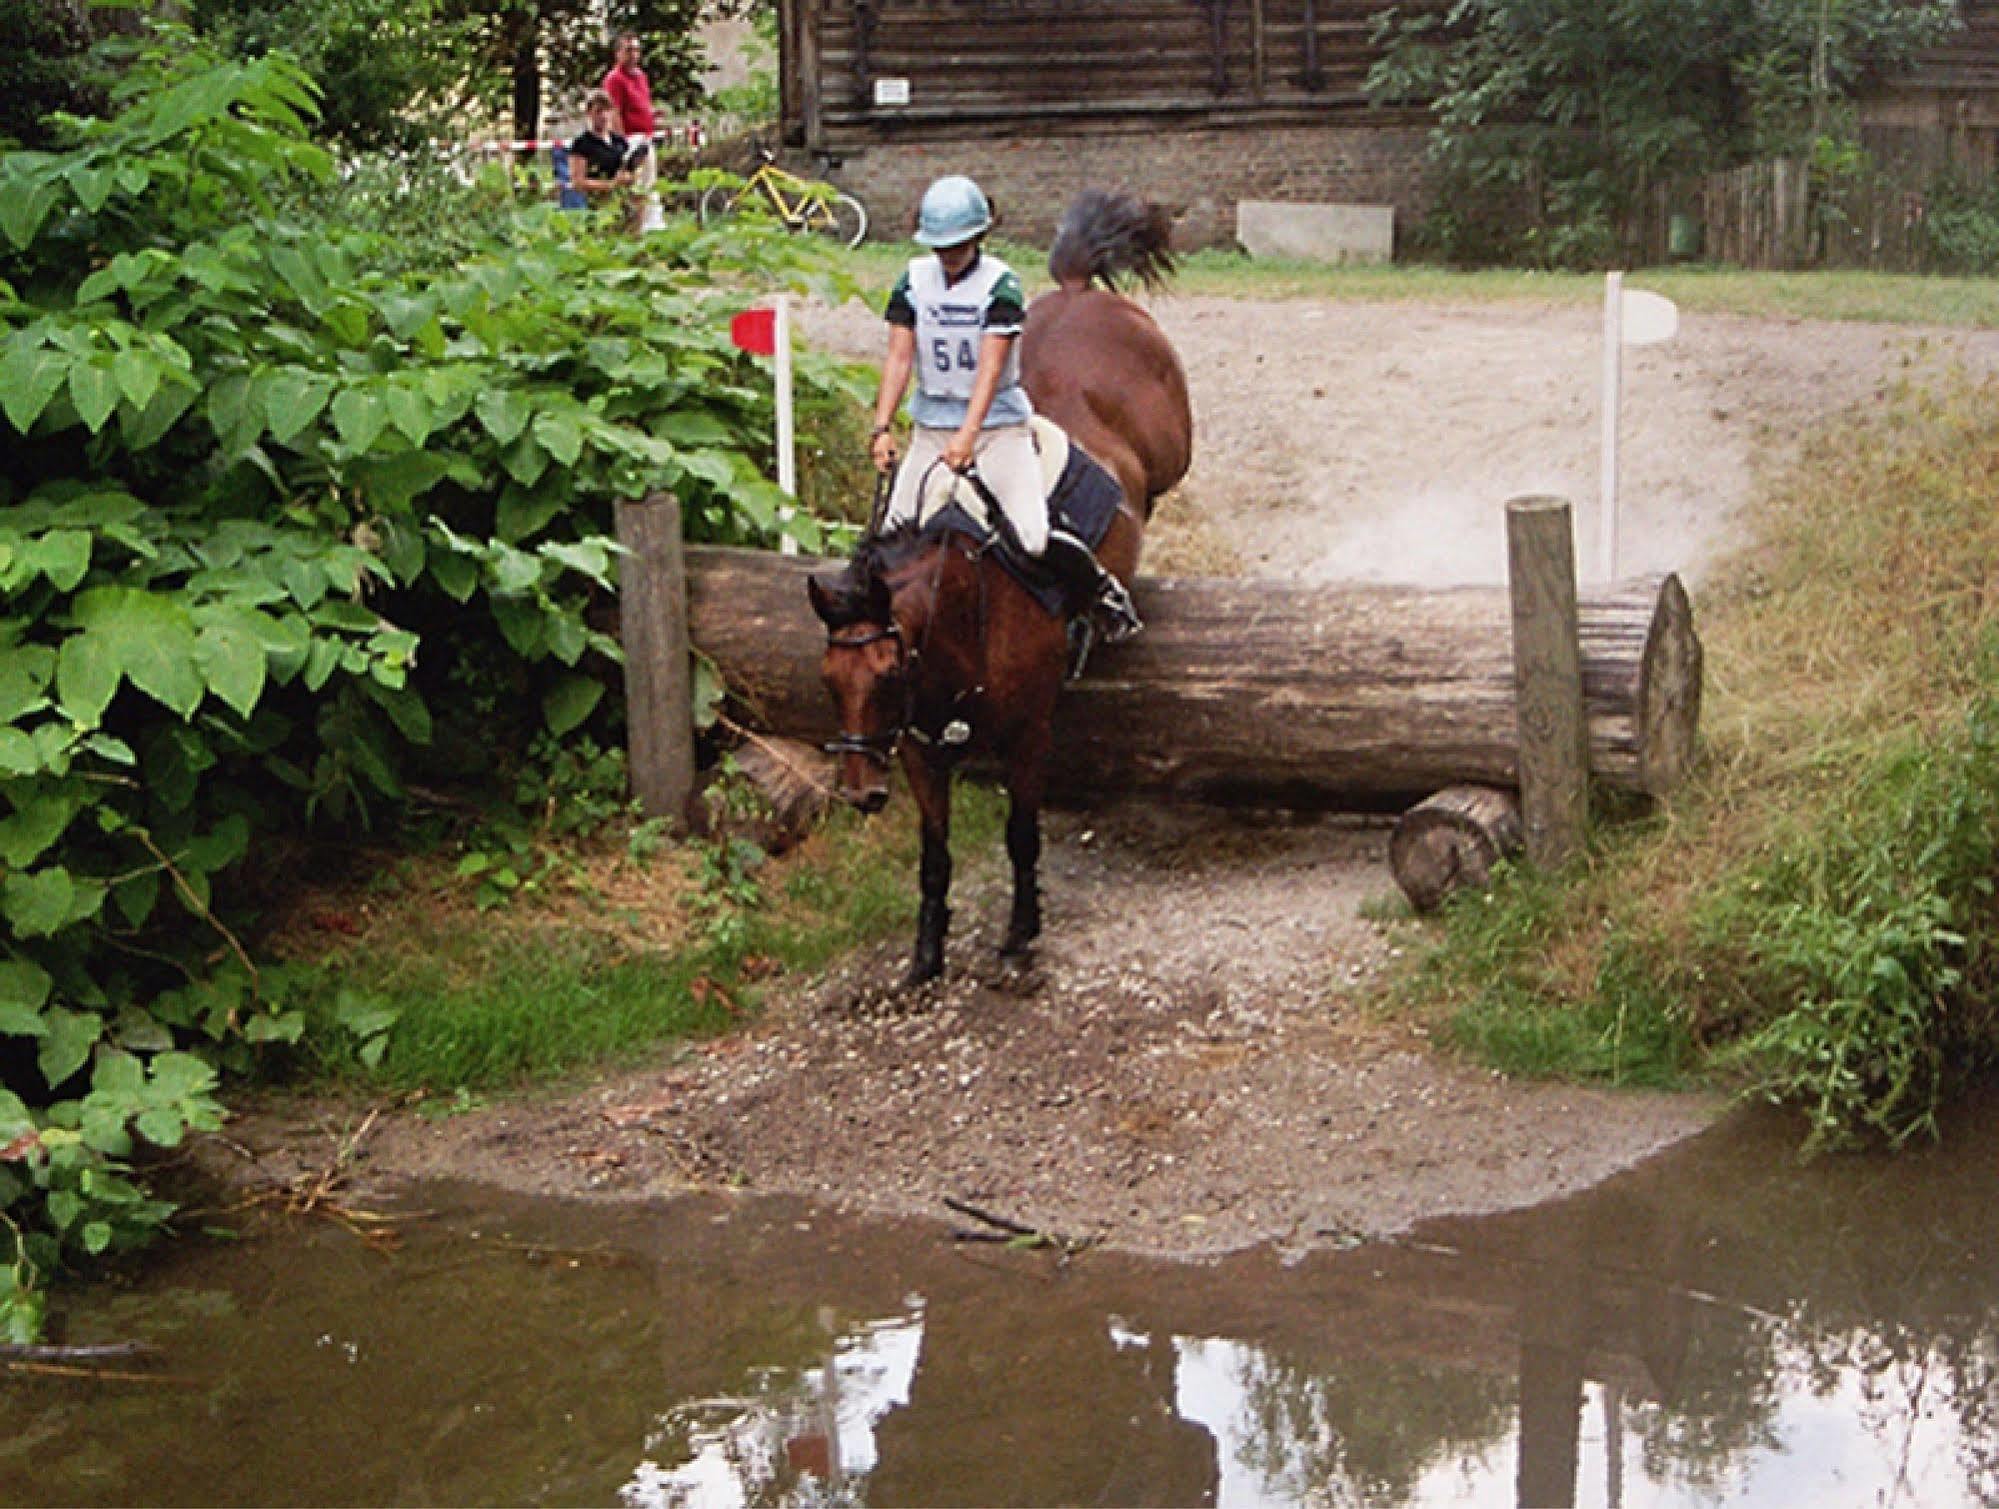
[931, 786]
[1027, 781]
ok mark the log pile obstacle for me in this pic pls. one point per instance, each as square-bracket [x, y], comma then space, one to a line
[1356, 697]
[1352, 697]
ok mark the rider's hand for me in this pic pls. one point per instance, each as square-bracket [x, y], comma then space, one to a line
[884, 450]
[958, 452]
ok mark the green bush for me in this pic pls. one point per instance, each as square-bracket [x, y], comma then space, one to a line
[1961, 227]
[274, 481]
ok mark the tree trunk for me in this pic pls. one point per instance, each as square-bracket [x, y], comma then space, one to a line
[1358, 697]
[527, 82]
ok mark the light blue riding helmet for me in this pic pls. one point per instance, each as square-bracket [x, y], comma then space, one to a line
[954, 210]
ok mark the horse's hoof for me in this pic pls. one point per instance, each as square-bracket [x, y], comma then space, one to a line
[1018, 946]
[921, 974]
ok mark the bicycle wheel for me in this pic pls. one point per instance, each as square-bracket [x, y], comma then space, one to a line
[840, 217]
[719, 202]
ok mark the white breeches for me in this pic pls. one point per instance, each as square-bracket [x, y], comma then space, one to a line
[1007, 463]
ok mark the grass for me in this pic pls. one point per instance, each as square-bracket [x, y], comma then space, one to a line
[1812, 914]
[570, 980]
[1881, 298]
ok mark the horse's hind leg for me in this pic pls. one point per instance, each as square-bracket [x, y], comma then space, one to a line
[1025, 785]
[932, 790]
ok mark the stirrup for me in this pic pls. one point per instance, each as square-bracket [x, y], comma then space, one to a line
[1082, 639]
[1115, 612]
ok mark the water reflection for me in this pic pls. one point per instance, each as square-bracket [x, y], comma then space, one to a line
[1720, 1326]
[808, 1437]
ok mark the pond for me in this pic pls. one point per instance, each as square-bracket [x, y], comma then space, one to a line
[1718, 1325]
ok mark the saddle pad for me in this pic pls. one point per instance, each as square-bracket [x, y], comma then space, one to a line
[943, 487]
[1084, 501]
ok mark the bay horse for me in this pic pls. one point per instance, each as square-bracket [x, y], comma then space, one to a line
[947, 654]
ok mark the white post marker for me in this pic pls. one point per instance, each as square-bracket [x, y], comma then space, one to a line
[1634, 318]
[787, 466]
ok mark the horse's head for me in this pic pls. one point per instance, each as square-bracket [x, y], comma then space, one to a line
[867, 667]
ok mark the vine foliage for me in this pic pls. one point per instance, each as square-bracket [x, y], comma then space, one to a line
[268, 480]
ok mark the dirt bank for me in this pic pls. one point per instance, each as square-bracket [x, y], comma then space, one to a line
[1188, 1066]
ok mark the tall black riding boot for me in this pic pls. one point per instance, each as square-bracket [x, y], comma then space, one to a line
[1091, 589]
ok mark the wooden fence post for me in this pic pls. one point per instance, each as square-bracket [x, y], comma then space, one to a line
[1547, 678]
[652, 614]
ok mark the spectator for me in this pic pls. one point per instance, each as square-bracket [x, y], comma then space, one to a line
[631, 94]
[599, 158]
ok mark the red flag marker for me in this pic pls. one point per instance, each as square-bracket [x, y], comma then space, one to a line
[755, 331]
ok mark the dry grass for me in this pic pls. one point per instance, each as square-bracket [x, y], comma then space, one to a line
[1848, 642]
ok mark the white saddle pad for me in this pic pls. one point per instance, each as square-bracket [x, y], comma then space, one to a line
[943, 486]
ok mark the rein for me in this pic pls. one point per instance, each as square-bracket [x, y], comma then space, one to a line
[881, 747]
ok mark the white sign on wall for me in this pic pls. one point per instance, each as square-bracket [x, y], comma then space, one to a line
[891, 91]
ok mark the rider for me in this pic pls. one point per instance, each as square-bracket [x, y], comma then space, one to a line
[955, 320]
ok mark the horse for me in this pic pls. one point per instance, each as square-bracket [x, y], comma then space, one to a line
[948, 654]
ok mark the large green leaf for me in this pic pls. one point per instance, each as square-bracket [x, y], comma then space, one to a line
[292, 399]
[24, 208]
[87, 674]
[30, 375]
[234, 664]
[151, 639]
[24, 990]
[36, 822]
[409, 411]
[24, 678]
[18, 754]
[234, 414]
[137, 373]
[94, 392]
[37, 903]
[504, 413]
[360, 416]
[63, 556]
[569, 702]
[67, 1043]
[560, 435]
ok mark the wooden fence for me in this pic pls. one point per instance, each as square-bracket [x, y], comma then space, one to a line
[1772, 215]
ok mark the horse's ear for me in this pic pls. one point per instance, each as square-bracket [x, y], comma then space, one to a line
[823, 602]
[881, 602]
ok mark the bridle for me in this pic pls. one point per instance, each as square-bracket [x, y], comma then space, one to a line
[879, 747]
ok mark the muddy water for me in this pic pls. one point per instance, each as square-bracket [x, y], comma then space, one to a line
[1716, 1326]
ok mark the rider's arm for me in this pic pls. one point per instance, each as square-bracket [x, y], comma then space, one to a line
[896, 369]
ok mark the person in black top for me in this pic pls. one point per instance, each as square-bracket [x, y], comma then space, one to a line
[598, 157]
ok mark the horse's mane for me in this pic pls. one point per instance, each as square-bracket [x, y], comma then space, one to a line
[1105, 237]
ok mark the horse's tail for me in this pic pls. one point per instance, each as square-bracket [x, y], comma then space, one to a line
[1106, 236]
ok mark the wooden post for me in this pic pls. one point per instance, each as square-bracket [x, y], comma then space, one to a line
[1547, 678]
[652, 613]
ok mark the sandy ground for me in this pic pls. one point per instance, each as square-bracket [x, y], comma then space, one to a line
[1189, 1066]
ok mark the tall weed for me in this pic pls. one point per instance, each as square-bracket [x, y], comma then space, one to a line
[1811, 916]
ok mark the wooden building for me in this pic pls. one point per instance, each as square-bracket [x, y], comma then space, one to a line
[1197, 103]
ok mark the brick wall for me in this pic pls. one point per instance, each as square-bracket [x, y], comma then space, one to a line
[1198, 174]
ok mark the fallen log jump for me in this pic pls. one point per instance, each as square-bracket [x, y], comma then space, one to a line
[1333, 697]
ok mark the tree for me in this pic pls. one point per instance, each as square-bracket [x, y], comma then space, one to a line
[1553, 116]
[536, 45]
[41, 67]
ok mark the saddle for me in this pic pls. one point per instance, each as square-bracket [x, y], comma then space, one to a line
[1067, 582]
[1083, 499]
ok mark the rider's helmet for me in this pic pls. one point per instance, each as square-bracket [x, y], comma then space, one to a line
[954, 210]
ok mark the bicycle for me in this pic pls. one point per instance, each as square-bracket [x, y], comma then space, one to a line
[800, 204]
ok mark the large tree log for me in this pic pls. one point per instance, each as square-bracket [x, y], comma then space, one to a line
[1257, 690]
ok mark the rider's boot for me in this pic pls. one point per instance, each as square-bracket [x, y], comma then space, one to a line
[1091, 589]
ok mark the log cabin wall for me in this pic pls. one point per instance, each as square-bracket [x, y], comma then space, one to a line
[1943, 112]
[1195, 103]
